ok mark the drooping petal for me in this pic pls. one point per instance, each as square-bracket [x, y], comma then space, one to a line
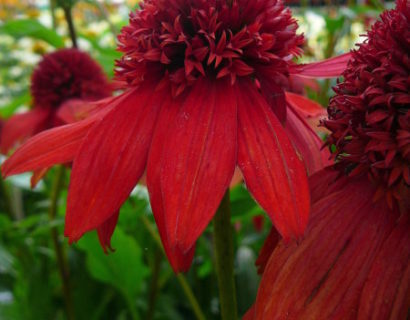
[329, 68]
[387, 289]
[273, 172]
[275, 97]
[37, 176]
[54, 146]
[22, 126]
[250, 314]
[179, 261]
[198, 160]
[306, 142]
[111, 160]
[105, 231]
[322, 277]
[306, 107]
[76, 109]
[268, 246]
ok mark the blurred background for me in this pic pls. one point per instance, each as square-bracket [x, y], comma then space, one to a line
[136, 281]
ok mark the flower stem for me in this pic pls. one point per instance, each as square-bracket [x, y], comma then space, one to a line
[8, 204]
[59, 250]
[153, 292]
[181, 279]
[69, 18]
[224, 260]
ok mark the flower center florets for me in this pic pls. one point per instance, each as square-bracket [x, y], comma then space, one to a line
[67, 74]
[187, 39]
[369, 118]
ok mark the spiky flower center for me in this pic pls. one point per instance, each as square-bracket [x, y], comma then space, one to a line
[183, 40]
[67, 74]
[369, 118]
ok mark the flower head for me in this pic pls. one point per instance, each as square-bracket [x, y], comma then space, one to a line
[354, 260]
[67, 74]
[369, 117]
[205, 85]
[61, 85]
[186, 40]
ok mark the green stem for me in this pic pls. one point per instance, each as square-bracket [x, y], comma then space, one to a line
[8, 204]
[224, 260]
[53, 6]
[181, 279]
[153, 292]
[59, 249]
[131, 307]
[70, 23]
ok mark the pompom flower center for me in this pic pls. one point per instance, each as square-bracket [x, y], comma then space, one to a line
[369, 117]
[184, 40]
[67, 74]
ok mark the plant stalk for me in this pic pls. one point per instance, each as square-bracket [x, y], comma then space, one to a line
[224, 260]
[181, 279]
[59, 249]
[69, 18]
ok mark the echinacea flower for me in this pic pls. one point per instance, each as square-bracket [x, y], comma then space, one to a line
[354, 260]
[204, 93]
[61, 83]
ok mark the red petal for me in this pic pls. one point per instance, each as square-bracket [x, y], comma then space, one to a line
[322, 277]
[106, 230]
[307, 142]
[268, 246]
[22, 126]
[198, 160]
[273, 172]
[250, 314]
[111, 160]
[75, 109]
[386, 292]
[37, 176]
[58, 145]
[329, 68]
[179, 261]
[275, 97]
[305, 106]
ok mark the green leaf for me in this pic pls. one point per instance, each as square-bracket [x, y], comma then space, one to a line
[8, 110]
[123, 269]
[33, 29]
[6, 261]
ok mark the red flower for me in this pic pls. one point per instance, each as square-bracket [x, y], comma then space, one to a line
[354, 261]
[60, 84]
[205, 87]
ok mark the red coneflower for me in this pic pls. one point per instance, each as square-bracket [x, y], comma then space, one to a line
[63, 78]
[354, 261]
[205, 94]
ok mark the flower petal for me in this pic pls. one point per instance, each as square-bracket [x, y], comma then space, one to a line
[275, 97]
[386, 292]
[179, 261]
[306, 107]
[105, 231]
[58, 145]
[198, 160]
[37, 176]
[329, 68]
[111, 160]
[22, 126]
[306, 141]
[273, 172]
[322, 277]
[76, 109]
